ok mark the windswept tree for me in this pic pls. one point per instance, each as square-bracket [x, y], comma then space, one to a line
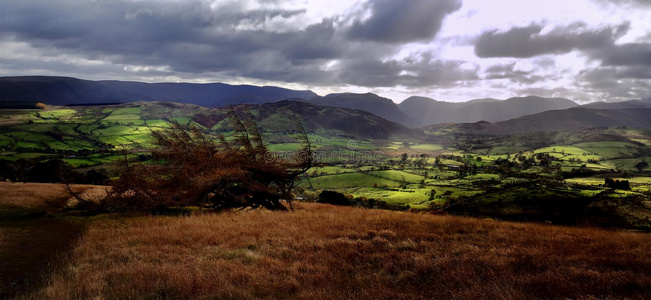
[191, 169]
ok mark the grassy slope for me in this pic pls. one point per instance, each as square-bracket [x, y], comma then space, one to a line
[327, 252]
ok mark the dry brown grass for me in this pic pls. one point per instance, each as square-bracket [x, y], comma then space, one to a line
[327, 252]
[36, 194]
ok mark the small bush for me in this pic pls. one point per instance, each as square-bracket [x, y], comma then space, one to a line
[335, 198]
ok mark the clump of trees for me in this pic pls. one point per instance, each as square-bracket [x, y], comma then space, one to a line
[191, 169]
[617, 184]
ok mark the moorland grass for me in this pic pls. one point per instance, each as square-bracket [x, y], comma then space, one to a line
[328, 252]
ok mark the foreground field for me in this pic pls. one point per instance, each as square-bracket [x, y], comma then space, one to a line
[328, 252]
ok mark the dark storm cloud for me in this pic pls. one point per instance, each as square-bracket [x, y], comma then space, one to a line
[192, 38]
[625, 55]
[612, 83]
[624, 73]
[525, 42]
[399, 21]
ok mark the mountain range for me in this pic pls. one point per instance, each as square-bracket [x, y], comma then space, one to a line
[513, 115]
[73, 91]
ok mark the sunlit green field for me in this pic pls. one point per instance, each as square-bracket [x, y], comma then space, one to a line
[431, 147]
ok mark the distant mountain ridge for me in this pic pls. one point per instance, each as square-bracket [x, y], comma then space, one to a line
[413, 112]
[70, 91]
[427, 111]
[578, 118]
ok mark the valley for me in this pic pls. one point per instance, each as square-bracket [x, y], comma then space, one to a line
[461, 168]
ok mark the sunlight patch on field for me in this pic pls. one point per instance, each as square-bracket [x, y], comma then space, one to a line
[354, 180]
[58, 113]
[429, 147]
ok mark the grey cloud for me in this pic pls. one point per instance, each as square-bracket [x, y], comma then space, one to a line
[191, 38]
[609, 76]
[625, 55]
[637, 72]
[188, 35]
[525, 42]
[516, 76]
[562, 92]
[399, 21]
[614, 84]
[411, 72]
[625, 70]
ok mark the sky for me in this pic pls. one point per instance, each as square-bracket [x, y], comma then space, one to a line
[450, 50]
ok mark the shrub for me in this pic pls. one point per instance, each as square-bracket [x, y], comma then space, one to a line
[332, 197]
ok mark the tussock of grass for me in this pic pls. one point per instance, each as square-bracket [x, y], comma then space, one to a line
[326, 252]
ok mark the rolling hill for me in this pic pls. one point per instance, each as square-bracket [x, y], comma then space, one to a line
[341, 121]
[73, 91]
[426, 111]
